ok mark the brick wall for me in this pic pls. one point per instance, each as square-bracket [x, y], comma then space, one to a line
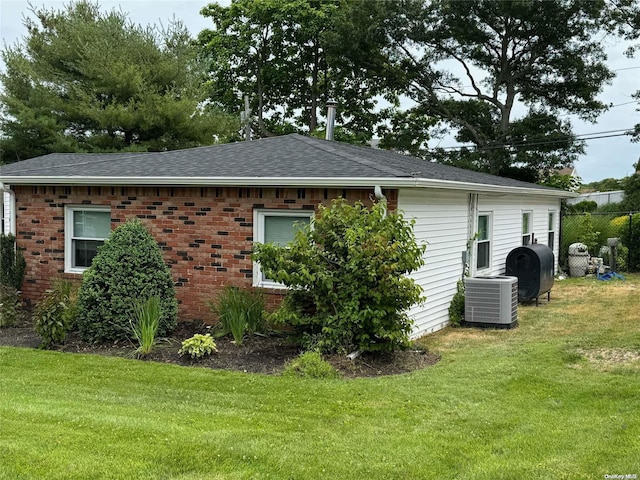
[205, 233]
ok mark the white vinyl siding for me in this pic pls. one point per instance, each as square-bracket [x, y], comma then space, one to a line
[279, 227]
[85, 230]
[6, 213]
[507, 224]
[441, 222]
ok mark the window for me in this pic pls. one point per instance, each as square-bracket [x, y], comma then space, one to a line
[552, 230]
[279, 227]
[85, 229]
[526, 228]
[483, 242]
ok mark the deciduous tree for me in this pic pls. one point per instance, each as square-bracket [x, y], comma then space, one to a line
[288, 56]
[469, 65]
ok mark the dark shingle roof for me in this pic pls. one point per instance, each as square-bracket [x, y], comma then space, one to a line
[287, 157]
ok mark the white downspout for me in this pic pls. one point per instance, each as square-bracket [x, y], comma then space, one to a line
[10, 215]
[377, 190]
[473, 228]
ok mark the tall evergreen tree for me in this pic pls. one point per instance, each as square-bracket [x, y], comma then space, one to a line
[85, 80]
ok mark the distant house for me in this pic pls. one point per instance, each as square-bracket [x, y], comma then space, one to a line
[571, 171]
[206, 206]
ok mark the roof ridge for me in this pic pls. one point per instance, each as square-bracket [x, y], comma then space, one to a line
[328, 146]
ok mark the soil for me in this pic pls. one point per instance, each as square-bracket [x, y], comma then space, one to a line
[257, 353]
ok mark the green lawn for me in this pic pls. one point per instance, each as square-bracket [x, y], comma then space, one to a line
[558, 397]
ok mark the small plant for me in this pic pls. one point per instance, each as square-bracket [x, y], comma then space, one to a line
[54, 315]
[310, 365]
[239, 311]
[198, 346]
[10, 306]
[49, 318]
[456, 308]
[145, 327]
[69, 292]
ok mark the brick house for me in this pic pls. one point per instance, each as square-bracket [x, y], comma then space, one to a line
[206, 206]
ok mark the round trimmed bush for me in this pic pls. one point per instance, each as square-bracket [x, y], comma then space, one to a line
[128, 267]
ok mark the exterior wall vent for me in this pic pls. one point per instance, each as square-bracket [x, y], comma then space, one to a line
[491, 302]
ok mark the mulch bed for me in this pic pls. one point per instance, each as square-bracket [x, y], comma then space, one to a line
[257, 354]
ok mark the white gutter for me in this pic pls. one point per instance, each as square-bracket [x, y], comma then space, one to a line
[12, 208]
[341, 182]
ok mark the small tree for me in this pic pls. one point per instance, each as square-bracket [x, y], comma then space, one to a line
[347, 275]
[128, 267]
[12, 262]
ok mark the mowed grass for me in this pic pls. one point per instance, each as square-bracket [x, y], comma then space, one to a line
[558, 397]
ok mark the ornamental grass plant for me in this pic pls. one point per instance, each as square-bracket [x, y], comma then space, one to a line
[239, 312]
[145, 326]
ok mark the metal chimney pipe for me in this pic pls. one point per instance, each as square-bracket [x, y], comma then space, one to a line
[331, 118]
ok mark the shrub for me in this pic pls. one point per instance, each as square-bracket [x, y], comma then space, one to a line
[69, 292]
[310, 365]
[54, 313]
[198, 346]
[586, 206]
[630, 234]
[128, 266]
[145, 326]
[347, 277]
[239, 311]
[10, 306]
[456, 308]
[12, 262]
[580, 228]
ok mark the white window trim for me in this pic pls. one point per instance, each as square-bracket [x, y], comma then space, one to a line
[530, 227]
[489, 240]
[68, 232]
[555, 222]
[258, 236]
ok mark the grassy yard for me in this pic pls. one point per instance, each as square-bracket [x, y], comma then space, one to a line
[556, 398]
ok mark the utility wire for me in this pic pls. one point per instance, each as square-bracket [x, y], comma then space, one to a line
[533, 142]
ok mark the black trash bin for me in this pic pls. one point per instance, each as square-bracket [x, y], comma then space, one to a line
[534, 266]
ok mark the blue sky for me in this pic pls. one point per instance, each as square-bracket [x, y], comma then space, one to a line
[606, 157]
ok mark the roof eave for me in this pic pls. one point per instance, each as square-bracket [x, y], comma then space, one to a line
[341, 182]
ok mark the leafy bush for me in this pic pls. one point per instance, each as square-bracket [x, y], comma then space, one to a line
[12, 262]
[69, 292]
[239, 311]
[347, 277]
[10, 306]
[145, 327]
[198, 346]
[630, 234]
[580, 228]
[586, 206]
[128, 266]
[310, 365]
[456, 308]
[54, 314]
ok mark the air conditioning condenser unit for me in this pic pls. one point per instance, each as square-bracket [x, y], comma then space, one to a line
[491, 302]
